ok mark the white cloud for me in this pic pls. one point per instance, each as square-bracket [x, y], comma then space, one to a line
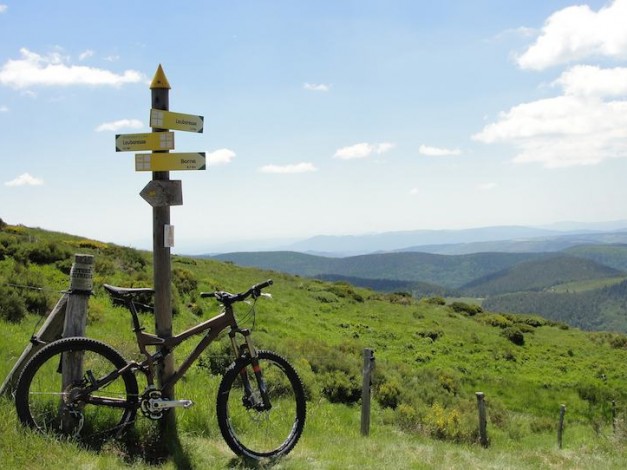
[25, 179]
[286, 169]
[438, 151]
[363, 150]
[3, 8]
[120, 124]
[588, 80]
[316, 86]
[562, 131]
[33, 69]
[86, 54]
[576, 33]
[586, 123]
[219, 157]
[4, 109]
[414, 191]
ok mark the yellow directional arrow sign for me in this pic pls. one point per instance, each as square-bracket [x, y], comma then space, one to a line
[169, 161]
[152, 141]
[182, 122]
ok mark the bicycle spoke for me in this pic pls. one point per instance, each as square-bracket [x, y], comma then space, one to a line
[258, 429]
[47, 402]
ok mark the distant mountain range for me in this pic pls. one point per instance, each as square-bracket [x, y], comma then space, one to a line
[579, 278]
[513, 239]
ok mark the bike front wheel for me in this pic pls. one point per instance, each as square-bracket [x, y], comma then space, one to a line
[71, 387]
[255, 427]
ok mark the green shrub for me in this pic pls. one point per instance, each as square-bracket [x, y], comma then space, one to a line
[436, 300]
[618, 341]
[468, 309]
[216, 358]
[407, 417]
[433, 334]
[325, 297]
[22, 293]
[400, 298]
[340, 387]
[184, 280]
[345, 290]
[514, 335]
[388, 394]
[12, 307]
[46, 253]
[450, 424]
[494, 319]
[307, 377]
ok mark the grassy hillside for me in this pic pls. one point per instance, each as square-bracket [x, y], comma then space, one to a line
[430, 361]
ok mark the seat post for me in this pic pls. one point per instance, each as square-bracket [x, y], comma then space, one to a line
[128, 300]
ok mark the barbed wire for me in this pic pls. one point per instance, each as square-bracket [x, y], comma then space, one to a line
[22, 286]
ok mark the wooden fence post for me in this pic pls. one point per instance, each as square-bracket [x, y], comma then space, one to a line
[483, 432]
[365, 391]
[560, 428]
[81, 284]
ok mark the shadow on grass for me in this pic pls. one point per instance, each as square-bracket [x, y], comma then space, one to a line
[154, 447]
[244, 463]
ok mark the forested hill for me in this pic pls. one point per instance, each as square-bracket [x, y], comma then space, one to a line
[539, 274]
[574, 286]
[443, 270]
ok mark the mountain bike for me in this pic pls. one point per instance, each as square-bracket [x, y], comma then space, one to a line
[85, 389]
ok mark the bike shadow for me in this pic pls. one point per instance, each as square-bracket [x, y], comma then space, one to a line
[250, 464]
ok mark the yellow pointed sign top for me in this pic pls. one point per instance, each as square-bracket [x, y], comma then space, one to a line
[159, 80]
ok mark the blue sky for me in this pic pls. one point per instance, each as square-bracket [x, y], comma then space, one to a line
[321, 117]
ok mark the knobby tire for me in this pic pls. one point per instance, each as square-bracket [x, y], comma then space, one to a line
[249, 431]
[44, 404]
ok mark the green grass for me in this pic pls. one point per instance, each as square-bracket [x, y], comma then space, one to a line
[430, 362]
[332, 440]
[588, 285]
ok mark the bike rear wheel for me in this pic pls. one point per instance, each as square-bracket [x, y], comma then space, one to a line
[57, 392]
[249, 429]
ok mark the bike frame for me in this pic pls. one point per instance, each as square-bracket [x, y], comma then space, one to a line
[213, 326]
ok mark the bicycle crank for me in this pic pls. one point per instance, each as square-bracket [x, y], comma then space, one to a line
[154, 405]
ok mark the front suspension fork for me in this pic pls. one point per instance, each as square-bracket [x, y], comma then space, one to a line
[249, 399]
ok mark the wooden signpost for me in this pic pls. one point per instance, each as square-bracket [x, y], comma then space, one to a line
[161, 193]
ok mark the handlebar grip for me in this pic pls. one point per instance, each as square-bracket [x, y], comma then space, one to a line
[263, 285]
[207, 294]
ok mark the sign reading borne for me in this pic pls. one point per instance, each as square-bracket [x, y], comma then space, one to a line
[169, 161]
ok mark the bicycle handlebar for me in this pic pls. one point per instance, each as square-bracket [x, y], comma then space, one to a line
[228, 298]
